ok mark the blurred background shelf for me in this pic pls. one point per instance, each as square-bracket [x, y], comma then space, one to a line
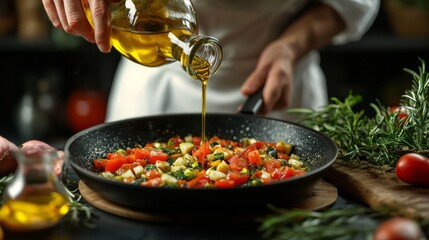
[374, 66]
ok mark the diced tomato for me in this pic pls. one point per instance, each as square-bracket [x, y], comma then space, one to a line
[257, 174]
[155, 182]
[157, 156]
[283, 173]
[141, 153]
[254, 157]
[224, 183]
[151, 174]
[196, 140]
[257, 145]
[276, 174]
[130, 158]
[201, 152]
[299, 172]
[283, 156]
[141, 162]
[174, 141]
[288, 172]
[199, 181]
[100, 163]
[238, 178]
[115, 163]
[181, 182]
[125, 167]
[226, 142]
[237, 163]
[271, 165]
[266, 178]
[149, 145]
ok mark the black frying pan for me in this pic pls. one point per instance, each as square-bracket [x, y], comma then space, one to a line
[315, 148]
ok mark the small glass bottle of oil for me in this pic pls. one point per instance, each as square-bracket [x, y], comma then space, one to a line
[35, 199]
[156, 32]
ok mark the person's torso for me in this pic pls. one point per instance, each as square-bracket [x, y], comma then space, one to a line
[244, 28]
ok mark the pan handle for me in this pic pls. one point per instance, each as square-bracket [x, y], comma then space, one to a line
[253, 104]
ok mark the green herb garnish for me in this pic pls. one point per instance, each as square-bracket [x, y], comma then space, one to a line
[382, 138]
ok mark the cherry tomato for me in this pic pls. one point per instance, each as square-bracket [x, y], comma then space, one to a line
[398, 228]
[402, 115]
[413, 168]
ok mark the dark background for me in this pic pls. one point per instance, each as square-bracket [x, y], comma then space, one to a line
[54, 64]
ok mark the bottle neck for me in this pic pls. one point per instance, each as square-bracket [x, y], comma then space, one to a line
[201, 57]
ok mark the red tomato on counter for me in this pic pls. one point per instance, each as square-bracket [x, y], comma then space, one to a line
[86, 108]
[413, 168]
[398, 228]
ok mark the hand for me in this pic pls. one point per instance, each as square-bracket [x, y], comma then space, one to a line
[36, 147]
[314, 29]
[8, 163]
[69, 16]
[274, 73]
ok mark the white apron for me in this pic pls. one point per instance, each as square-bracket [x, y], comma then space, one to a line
[244, 28]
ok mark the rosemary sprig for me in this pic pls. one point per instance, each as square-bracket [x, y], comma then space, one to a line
[4, 181]
[79, 211]
[382, 138]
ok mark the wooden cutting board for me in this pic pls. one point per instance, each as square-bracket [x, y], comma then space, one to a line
[324, 194]
[381, 190]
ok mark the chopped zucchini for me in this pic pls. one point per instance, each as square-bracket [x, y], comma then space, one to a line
[128, 174]
[168, 179]
[296, 163]
[163, 166]
[121, 151]
[215, 175]
[138, 171]
[107, 174]
[223, 167]
[188, 138]
[186, 147]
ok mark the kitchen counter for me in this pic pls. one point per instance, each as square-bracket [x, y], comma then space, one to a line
[107, 226]
[112, 227]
